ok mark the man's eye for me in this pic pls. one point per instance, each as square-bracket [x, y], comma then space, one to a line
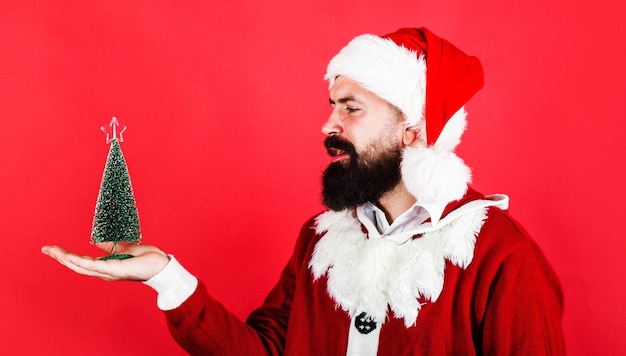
[351, 110]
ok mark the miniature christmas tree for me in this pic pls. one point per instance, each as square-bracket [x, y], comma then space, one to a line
[116, 218]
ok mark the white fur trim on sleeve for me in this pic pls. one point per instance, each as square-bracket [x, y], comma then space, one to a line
[174, 284]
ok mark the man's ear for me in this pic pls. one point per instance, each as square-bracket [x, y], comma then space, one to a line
[411, 137]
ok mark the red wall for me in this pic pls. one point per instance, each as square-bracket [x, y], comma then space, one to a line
[223, 101]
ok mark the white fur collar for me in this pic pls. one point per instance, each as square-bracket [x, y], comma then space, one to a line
[372, 274]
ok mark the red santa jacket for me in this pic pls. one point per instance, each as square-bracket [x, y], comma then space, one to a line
[506, 300]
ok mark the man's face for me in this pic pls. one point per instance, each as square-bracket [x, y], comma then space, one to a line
[364, 136]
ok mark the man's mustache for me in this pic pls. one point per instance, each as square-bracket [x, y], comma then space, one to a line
[334, 144]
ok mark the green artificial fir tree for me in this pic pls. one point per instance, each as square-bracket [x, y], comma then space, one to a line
[116, 219]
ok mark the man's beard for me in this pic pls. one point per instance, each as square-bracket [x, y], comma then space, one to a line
[365, 178]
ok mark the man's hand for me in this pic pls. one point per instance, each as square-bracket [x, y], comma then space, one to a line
[148, 261]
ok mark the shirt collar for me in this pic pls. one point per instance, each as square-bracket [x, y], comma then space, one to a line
[413, 217]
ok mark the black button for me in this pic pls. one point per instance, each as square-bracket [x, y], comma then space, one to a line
[364, 324]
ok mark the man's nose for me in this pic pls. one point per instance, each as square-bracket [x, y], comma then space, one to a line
[332, 126]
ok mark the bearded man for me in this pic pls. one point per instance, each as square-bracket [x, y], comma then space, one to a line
[408, 260]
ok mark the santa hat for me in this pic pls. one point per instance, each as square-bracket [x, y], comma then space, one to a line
[430, 81]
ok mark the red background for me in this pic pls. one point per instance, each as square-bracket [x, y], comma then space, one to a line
[224, 100]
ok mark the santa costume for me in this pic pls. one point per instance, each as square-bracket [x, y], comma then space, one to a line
[454, 275]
